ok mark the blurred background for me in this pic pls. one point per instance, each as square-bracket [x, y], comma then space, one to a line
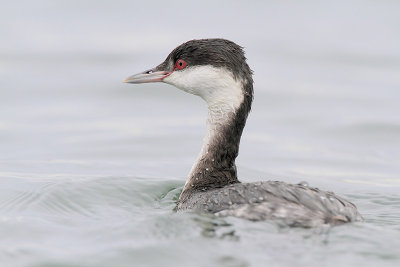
[327, 87]
[326, 110]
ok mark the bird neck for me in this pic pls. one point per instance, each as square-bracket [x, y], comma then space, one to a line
[215, 166]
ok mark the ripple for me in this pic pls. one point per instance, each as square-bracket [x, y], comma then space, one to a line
[90, 197]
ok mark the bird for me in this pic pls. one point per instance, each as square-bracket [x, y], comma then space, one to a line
[217, 71]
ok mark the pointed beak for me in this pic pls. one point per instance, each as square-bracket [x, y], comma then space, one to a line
[149, 76]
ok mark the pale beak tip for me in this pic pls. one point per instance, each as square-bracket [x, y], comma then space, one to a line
[128, 80]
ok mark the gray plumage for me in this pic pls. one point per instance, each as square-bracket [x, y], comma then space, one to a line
[213, 185]
[290, 204]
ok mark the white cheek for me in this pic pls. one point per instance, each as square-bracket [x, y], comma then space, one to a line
[215, 85]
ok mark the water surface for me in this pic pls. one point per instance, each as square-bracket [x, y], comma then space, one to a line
[90, 168]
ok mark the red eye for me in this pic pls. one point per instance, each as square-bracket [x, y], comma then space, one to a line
[180, 64]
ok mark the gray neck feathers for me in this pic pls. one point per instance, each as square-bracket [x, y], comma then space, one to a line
[216, 164]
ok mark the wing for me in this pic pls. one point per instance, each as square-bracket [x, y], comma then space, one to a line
[294, 205]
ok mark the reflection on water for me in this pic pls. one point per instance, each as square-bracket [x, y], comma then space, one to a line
[74, 139]
[128, 219]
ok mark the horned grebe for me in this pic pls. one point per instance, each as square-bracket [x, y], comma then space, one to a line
[216, 70]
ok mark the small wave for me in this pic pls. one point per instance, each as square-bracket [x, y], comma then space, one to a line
[90, 197]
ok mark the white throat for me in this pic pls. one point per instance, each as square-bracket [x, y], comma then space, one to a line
[223, 94]
[216, 86]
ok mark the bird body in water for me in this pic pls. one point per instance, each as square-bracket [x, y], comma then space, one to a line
[217, 71]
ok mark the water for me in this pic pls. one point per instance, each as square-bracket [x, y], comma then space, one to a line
[90, 168]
